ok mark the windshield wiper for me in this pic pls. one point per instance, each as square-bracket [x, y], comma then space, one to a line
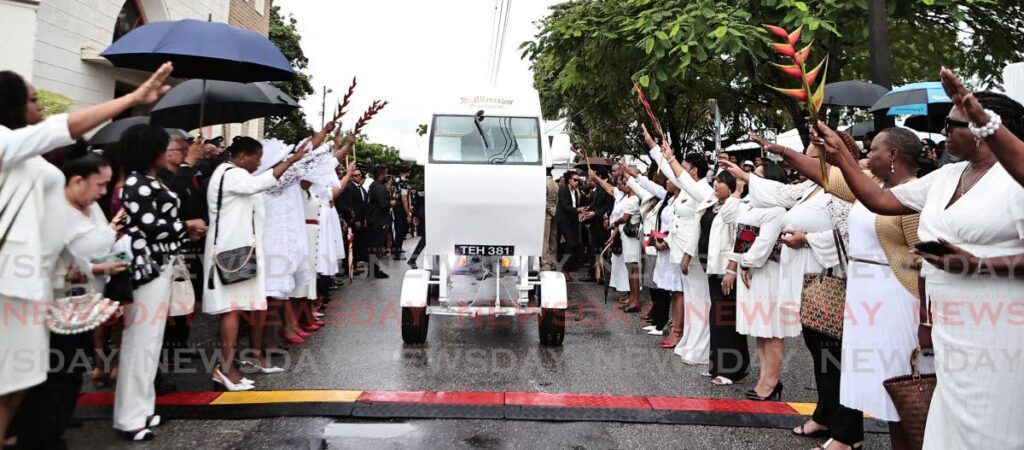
[479, 117]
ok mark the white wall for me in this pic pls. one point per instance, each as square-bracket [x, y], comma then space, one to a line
[17, 35]
[65, 27]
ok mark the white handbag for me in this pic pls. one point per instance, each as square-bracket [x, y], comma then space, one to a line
[183, 296]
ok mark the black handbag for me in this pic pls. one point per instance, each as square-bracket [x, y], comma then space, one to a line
[236, 265]
[631, 229]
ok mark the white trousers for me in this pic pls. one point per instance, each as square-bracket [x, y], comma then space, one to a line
[145, 320]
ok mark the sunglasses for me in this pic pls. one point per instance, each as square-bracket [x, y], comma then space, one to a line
[953, 123]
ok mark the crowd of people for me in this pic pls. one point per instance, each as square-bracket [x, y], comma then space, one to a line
[927, 240]
[257, 233]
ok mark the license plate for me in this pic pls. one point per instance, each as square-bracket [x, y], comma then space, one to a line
[485, 250]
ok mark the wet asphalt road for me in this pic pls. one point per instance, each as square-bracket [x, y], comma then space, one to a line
[361, 349]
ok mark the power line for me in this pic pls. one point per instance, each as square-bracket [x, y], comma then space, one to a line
[498, 36]
[501, 48]
[494, 37]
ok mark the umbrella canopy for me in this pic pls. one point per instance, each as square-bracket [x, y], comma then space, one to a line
[861, 130]
[912, 99]
[198, 49]
[225, 102]
[111, 132]
[856, 94]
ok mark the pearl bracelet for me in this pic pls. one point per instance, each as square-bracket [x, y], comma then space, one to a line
[990, 128]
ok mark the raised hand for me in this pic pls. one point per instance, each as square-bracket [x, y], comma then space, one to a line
[825, 137]
[765, 145]
[152, 89]
[963, 98]
[736, 171]
[647, 137]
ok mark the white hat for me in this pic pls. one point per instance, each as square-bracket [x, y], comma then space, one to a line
[274, 151]
[747, 163]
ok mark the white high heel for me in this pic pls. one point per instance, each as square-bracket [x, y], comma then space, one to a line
[221, 381]
[649, 328]
[260, 369]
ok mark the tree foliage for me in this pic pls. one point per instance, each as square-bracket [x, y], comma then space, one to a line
[687, 52]
[284, 34]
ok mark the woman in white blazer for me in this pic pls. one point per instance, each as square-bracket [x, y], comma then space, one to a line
[237, 215]
[31, 200]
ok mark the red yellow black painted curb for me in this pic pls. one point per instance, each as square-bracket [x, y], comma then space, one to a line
[470, 405]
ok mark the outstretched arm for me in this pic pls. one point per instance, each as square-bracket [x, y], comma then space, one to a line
[804, 164]
[604, 184]
[878, 200]
[1007, 148]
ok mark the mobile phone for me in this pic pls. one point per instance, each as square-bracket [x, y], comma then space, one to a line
[933, 248]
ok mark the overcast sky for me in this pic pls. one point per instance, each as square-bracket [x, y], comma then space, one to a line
[415, 54]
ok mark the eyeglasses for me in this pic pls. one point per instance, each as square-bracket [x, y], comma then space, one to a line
[953, 123]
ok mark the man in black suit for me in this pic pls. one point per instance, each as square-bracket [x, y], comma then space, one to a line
[567, 218]
[601, 204]
[378, 217]
[352, 206]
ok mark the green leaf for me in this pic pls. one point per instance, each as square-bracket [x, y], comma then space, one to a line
[675, 31]
[648, 45]
[645, 81]
[661, 35]
[801, 6]
[720, 31]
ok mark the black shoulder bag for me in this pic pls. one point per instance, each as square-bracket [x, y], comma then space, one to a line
[237, 265]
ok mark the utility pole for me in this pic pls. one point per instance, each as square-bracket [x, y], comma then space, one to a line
[717, 115]
[323, 107]
[881, 54]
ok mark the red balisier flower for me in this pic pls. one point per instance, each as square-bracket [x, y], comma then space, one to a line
[806, 93]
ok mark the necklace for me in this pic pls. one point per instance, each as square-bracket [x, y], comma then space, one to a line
[963, 188]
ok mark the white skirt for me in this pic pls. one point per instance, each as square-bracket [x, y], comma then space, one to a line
[630, 247]
[758, 311]
[619, 276]
[879, 333]
[695, 346]
[25, 341]
[979, 359]
[667, 275]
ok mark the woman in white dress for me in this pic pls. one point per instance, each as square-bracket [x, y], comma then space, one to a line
[30, 181]
[882, 287]
[975, 212]
[759, 313]
[810, 247]
[237, 218]
[627, 210]
[661, 277]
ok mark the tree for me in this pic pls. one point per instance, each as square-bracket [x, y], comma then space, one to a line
[284, 34]
[53, 103]
[685, 52]
[421, 129]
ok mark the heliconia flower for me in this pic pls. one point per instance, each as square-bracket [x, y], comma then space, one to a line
[801, 56]
[778, 31]
[799, 95]
[794, 37]
[812, 76]
[791, 70]
[818, 99]
[784, 49]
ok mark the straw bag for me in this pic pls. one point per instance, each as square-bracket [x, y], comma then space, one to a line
[823, 299]
[912, 396]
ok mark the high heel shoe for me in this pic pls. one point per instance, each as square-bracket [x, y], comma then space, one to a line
[222, 383]
[302, 334]
[294, 341]
[774, 396]
[319, 323]
[260, 369]
[309, 327]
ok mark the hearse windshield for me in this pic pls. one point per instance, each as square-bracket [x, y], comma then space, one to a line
[485, 140]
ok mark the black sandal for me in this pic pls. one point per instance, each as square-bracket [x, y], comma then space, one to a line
[142, 435]
[820, 433]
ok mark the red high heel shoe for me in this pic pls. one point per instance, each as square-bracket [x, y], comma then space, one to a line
[319, 323]
[302, 334]
[294, 341]
[309, 327]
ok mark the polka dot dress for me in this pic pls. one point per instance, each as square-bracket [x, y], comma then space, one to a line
[153, 226]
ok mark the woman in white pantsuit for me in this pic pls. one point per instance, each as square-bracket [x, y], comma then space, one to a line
[975, 210]
[157, 235]
[237, 216]
[28, 180]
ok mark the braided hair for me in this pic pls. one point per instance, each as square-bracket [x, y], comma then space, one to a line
[1008, 109]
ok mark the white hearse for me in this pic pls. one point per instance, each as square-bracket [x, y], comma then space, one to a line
[484, 161]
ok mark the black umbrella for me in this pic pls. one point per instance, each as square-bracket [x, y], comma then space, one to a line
[861, 130]
[187, 107]
[203, 50]
[857, 94]
[933, 122]
[111, 132]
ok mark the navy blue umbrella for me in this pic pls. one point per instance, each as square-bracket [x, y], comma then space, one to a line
[198, 103]
[198, 49]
